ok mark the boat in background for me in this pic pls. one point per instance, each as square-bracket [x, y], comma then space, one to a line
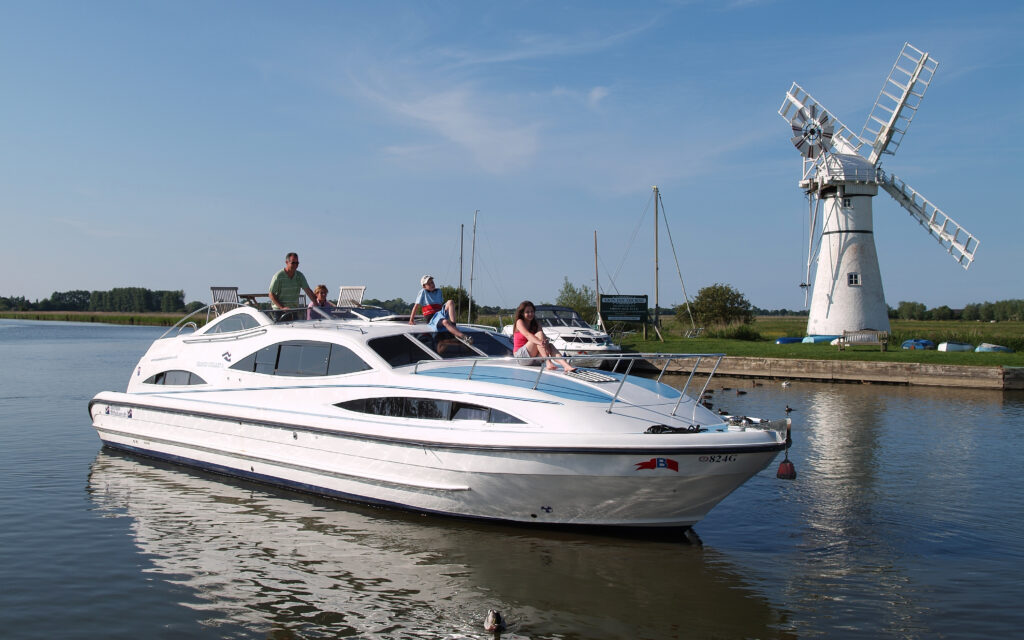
[818, 339]
[368, 408]
[955, 346]
[917, 343]
[986, 347]
[572, 336]
[788, 340]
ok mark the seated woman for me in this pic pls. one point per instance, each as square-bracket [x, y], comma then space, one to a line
[319, 300]
[529, 341]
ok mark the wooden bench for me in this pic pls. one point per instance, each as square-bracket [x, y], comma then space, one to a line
[864, 337]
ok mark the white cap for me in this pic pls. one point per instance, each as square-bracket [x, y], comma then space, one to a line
[425, 279]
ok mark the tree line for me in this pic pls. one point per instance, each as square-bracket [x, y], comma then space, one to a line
[1001, 311]
[715, 304]
[122, 299]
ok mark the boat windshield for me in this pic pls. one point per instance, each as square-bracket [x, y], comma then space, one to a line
[448, 346]
[409, 348]
[331, 313]
[560, 318]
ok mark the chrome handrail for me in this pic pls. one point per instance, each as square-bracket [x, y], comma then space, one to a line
[630, 358]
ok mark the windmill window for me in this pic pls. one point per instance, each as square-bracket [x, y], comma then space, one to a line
[853, 279]
[847, 202]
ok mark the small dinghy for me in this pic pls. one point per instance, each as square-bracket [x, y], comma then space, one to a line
[955, 346]
[918, 343]
[986, 347]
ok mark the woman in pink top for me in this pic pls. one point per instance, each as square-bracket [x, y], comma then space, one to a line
[529, 341]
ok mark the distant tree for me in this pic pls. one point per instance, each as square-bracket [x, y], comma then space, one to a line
[721, 304]
[910, 311]
[581, 299]
[70, 300]
[171, 301]
[461, 300]
[395, 305]
[942, 313]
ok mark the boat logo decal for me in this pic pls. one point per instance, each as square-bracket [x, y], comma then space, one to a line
[658, 463]
[226, 355]
[124, 412]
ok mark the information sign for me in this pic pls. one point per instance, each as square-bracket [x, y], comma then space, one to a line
[616, 308]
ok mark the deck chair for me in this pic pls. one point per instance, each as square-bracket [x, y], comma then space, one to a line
[350, 296]
[224, 299]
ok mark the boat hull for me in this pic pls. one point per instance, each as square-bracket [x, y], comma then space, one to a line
[672, 484]
[955, 346]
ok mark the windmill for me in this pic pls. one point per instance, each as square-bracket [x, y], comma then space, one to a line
[841, 175]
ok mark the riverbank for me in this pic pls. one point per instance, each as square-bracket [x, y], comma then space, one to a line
[855, 367]
[105, 317]
[998, 378]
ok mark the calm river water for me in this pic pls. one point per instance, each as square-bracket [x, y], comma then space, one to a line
[906, 521]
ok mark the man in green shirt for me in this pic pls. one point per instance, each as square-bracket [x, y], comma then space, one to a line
[287, 283]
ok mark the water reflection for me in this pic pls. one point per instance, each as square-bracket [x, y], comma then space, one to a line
[900, 502]
[279, 564]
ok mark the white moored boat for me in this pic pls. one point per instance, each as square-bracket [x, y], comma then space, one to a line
[572, 336]
[383, 412]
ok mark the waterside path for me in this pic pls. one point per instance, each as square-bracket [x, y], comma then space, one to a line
[908, 373]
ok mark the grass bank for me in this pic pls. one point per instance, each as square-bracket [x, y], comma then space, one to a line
[768, 328]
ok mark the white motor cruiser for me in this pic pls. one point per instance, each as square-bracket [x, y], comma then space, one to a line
[379, 411]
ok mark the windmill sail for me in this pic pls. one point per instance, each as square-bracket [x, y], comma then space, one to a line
[959, 243]
[898, 101]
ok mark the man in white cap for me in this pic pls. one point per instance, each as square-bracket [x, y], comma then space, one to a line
[436, 312]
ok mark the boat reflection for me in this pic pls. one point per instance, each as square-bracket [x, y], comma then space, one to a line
[285, 565]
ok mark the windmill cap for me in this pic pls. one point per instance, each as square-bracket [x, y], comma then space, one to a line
[425, 279]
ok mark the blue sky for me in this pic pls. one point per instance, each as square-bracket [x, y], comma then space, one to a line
[179, 145]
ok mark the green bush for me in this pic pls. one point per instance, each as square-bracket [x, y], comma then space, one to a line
[736, 332]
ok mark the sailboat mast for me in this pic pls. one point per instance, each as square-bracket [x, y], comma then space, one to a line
[597, 284]
[462, 241]
[472, 264]
[656, 299]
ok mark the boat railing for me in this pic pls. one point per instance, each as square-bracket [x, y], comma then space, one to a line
[630, 360]
[210, 312]
[191, 320]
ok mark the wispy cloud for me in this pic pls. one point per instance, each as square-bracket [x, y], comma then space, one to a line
[459, 115]
[529, 46]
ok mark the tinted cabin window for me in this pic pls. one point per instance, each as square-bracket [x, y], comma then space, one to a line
[398, 350]
[427, 409]
[302, 358]
[342, 360]
[447, 346]
[175, 377]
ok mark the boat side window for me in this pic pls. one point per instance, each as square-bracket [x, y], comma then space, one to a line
[398, 407]
[175, 377]
[238, 322]
[399, 350]
[302, 358]
[427, 409]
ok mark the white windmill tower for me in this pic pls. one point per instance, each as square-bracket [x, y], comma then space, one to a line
[841, 174]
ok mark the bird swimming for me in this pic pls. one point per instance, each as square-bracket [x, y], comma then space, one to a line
[493, 621]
